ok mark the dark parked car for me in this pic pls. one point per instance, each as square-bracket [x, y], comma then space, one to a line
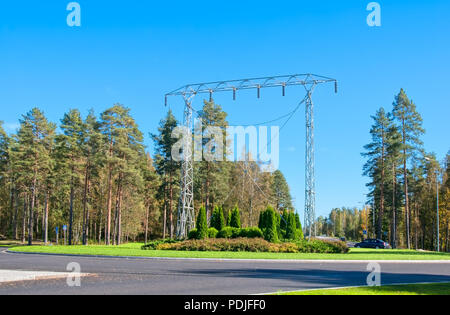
[373, 243]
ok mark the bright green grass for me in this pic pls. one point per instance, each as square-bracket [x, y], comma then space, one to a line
[410, 289]
[134, 250]
[9, 243]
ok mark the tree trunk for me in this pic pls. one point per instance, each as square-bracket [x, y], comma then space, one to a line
[108, 220]
[207, 184]
[119, 212]
[405, 179]
[16, 216]
[72, 192]
[381, 212]
[24, 218]
[13, 214]
[165, 213]
[171, 207]
[46, 217]
[147, 210]
[85, 210]
[31, 214]
[394, 207]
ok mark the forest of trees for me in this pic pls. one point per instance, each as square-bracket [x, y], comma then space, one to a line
[95, 175]
[402, 187]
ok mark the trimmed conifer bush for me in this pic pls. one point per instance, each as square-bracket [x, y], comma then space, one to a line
[202, 224]
[270, 225]
[193, 234]
[229, 232]
[291, 228]
[235, 220]
[252, 232]
[217, 218]
[212, 232]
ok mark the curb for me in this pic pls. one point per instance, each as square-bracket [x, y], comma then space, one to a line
[238, 260]
[349, 287]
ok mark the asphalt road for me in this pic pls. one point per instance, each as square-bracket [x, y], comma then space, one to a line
[205, 277]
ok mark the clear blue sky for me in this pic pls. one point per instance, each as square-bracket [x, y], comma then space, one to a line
[133, 52]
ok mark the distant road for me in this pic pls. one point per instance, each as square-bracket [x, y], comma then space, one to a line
[205, 277]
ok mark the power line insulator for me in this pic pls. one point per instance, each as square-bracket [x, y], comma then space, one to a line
[210, 96]
[165, 100]
[234, 94]
[259, 91]
[284, 89]
[336, 87]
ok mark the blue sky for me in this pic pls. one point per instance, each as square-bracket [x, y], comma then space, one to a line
[133, 52]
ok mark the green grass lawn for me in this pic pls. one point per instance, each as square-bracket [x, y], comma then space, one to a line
[410, 289]
[134, 250]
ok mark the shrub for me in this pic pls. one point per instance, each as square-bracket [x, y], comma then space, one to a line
[255, 245]
[193, 234]
[217, 219]
[269, 225]
[154, 244]
[252, 232]
[235, 220]
[229, 232]
[229, 218]
[297, 221]
[233, 245]
[300, 234]
[291, 228]
[212, 233]
[202, 224]
[320, 246]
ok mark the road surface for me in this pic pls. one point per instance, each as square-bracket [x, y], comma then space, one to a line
[205, 277]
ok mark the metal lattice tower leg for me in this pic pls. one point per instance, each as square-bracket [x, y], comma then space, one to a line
[186, 215]
[310, 184]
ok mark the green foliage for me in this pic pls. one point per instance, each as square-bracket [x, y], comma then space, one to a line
[320, 246]
[202, 224]
[300, 235]
[154, 244]
[269, 225]
[235, 220]
[229, 232]
[255, 245]
[218, 219]
[212, 233]
[193, 234]
[251, 232]
[281, 192]
[298, 224]
[291, 229]
[229, 218]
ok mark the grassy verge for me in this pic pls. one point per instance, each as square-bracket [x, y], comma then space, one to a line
[410, 289]
[134, 250]
[10, 243]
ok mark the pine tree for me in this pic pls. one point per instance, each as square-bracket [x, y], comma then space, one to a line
[4, 174]
[393, 163]
[376, 165]
[212, 175]
[35, 138]
[281, 192]
[167, 168]
[70, 147]
[91, 149]
[410, 126]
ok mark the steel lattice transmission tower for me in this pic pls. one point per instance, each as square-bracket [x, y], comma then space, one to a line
[186, 216]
